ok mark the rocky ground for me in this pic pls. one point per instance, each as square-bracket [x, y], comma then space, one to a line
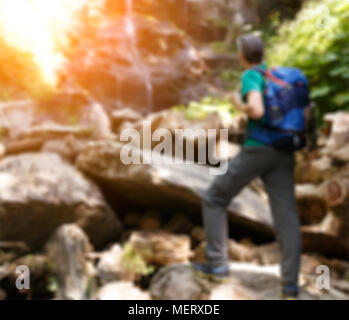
[90, 227]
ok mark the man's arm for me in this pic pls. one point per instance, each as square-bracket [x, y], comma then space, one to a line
[254, 108]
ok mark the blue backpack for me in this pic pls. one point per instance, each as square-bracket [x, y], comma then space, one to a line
[286, 97]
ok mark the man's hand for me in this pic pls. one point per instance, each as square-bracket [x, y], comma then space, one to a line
[254, 108]
[237, 100]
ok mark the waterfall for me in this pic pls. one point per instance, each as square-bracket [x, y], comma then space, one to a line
[130, 27]
[142, 68]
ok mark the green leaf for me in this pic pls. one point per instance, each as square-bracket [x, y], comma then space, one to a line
[339, 71]
[320, 91]
[341, 98]
[330, 57]
[322, 54]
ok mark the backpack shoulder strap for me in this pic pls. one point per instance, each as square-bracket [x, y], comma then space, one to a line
[267, 74]
[260, 71]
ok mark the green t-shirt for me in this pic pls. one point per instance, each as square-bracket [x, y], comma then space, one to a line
[252, 80]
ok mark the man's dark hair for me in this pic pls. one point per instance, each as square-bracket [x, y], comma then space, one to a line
[252, 47]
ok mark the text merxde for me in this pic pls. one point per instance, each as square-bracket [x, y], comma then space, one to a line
[189, 309]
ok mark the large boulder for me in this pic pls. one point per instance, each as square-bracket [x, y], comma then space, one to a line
[164, 185]
[39, 192]
[181, 187]
[68, 249]
[178, 282]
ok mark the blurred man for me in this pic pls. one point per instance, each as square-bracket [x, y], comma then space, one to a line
[257, 159]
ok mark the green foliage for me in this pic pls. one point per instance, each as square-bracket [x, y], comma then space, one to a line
[317, 42]
[220, 47]
[52, 285]
[199, 110]
[133, 262]
[231, 79]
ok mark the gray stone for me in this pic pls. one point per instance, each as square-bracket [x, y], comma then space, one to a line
[40, 192]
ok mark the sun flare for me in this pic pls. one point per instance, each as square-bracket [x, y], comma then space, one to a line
[40, 28]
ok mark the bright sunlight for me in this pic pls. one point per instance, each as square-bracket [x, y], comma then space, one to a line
[39, 27]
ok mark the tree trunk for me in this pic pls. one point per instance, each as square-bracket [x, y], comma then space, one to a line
[314, 171]
[311, 204]
[336, 191]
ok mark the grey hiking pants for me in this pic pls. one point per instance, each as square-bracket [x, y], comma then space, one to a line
[275, 168]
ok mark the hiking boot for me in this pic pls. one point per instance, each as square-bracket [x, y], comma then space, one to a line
[212, 273]
[290, 292]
